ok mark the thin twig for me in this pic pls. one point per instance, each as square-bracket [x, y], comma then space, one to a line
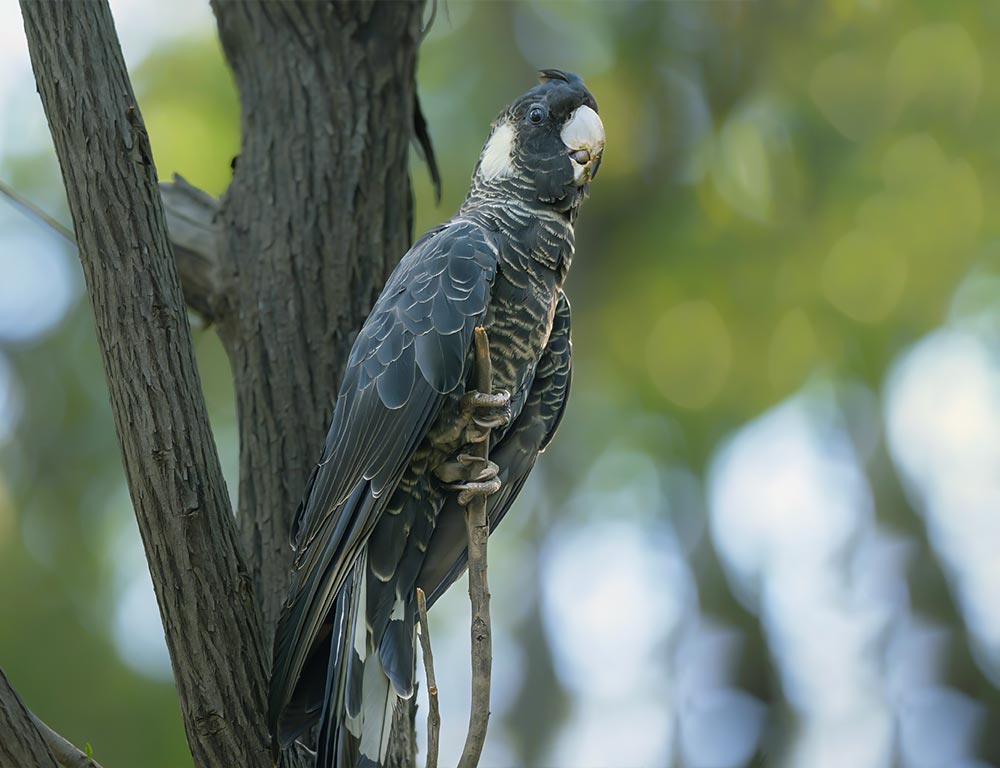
[35, 212]
[190, 223]
[433, 711]
[65, 753]
[478, 531]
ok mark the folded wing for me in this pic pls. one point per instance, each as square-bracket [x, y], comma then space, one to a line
[411, 352]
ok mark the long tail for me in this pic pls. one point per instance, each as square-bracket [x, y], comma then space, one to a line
[359, 699]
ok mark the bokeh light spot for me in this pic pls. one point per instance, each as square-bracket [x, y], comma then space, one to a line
[793, 351]
[844, 91]
[36, 289]
[689, 353]
[936, 68]
[740, 169]
[864, 276]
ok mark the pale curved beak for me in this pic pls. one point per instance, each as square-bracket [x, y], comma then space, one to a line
[583, 136]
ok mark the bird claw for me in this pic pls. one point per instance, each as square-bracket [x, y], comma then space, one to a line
[478, 476]
[497, 399]
[467, 468]
[488, 411]
[472, 421]
[498, 420]
[469, 491]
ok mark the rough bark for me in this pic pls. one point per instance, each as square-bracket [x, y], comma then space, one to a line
[317, 214]
[20, 742]
[203, 589]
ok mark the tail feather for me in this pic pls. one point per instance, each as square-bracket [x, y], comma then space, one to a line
[358, 650]
[379, 701]
[359, 699]
[396, 649]
[336, 745]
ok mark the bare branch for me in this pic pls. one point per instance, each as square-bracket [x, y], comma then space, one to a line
[210, 619]
[66, 754]
[193, 226]
[35, 212]
[478, 531]
[20, 742]
[434, 711]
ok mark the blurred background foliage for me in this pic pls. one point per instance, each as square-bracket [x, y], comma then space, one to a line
[769, 531]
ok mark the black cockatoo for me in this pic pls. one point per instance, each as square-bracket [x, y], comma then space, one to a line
[380, 514]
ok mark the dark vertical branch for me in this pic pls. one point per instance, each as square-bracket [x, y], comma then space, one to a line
[318, 213]
[209, 615]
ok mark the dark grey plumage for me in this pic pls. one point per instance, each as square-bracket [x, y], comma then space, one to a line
[376, 522]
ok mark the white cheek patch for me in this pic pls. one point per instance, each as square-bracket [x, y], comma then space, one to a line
[497, 160]
[583, 130]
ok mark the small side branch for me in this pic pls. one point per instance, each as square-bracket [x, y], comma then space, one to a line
[434, 711]
[20, 740]
[34, 212]
[66, 754]
[478, 531]
[191, 222]
[191, 225]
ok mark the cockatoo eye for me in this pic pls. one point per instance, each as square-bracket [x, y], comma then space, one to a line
[537, 114]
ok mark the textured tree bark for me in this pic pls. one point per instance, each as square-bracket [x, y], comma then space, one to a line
[20, 742]
[318, 213]
[204, 592]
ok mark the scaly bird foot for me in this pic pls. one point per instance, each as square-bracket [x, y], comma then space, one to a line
[466, 468]
[470, 475]
[469, 491]
[485, 412]
[470, 422]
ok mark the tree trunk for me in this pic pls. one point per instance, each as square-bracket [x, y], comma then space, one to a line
[210, 619]
[318, 212]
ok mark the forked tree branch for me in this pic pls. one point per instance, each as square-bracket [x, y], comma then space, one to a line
[210, 619]
[478, 531]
